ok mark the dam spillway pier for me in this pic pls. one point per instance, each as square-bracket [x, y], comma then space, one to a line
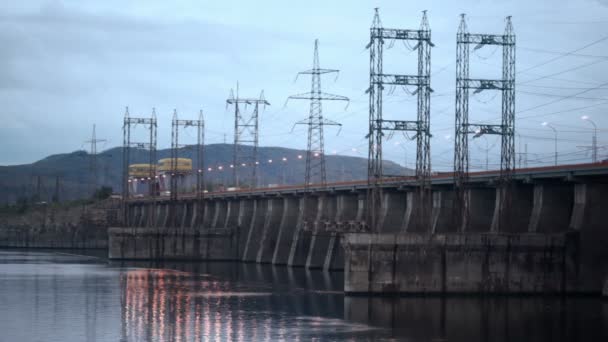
[556, 243]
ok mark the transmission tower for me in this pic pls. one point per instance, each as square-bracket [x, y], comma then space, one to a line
[39, 186]
[506, 129]
[93, 156]
[315, 152]
[377, 125]
[245, 133]
[175, 146]
[129, 123]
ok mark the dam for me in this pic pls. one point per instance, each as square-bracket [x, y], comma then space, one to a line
[556, 243]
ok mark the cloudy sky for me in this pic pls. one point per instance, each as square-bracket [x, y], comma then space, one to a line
[66, 65]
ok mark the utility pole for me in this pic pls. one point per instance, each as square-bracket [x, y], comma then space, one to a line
[526, 155]
[93, 159]
[520, 152]
[377, 125]
[315, 152]
[246, 133]
[487, 151]
[555, 153]
[506, 130]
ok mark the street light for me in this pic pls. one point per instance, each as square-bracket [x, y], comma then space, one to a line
[594, 139]
[520, 152]
[546, 124]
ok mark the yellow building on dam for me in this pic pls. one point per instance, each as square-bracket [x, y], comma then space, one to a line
[139, 176]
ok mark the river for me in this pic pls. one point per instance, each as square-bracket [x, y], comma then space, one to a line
[81, 296]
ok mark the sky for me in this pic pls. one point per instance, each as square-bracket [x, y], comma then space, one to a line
[67, 65]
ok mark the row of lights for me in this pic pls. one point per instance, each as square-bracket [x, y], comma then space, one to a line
[284, 159]
[221, 168]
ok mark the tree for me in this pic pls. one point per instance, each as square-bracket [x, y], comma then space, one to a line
[102, 193]
[22, 205]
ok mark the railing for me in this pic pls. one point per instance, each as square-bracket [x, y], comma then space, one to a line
[598, 168]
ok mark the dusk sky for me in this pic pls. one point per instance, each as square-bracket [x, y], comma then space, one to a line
[66, 65]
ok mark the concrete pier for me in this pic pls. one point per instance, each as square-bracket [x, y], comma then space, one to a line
[557, 242]
[554, 241]
[458, 263]
[286, 229]
[302, 236]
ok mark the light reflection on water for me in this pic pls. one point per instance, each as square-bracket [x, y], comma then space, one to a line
[45, 296]
[165, 305]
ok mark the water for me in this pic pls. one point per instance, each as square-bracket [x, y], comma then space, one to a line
[50, 296]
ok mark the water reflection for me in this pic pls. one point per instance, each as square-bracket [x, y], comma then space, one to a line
[190, 302]
[484, 319]
[59, 297]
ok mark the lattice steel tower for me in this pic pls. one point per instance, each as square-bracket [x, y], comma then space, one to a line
[377, 125]
[315, 152]
[93, 156]
[506, 129]
[175, 146]
[246, 133]
[130, 123]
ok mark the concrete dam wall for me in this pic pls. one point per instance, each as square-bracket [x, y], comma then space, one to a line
[556, 242]
[295, 230]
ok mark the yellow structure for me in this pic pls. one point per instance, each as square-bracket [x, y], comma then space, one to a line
[184, 165]
[139, 170]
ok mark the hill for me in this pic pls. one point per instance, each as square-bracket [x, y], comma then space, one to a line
[73, 171]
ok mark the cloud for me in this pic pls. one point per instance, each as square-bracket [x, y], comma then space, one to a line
[67, 65]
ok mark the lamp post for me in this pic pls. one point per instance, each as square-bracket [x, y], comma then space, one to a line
[486, 150]
[593, 139]
[546, 124]
[521, 153]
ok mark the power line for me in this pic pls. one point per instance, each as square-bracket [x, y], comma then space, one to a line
[553, 87]
[565, 71]
[562, 99]
[541, 75]
[562, 53]
[568, 53]
[562, 96]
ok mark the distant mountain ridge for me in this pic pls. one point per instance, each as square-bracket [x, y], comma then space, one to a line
[73, 171]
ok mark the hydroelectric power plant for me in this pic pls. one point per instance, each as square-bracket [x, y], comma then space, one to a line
[398, 230]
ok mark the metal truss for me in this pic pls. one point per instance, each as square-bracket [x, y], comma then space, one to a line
[463, 128]
[129, 123]
[246, 133]
[199, 150]
[315, 151]
[420, 126]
